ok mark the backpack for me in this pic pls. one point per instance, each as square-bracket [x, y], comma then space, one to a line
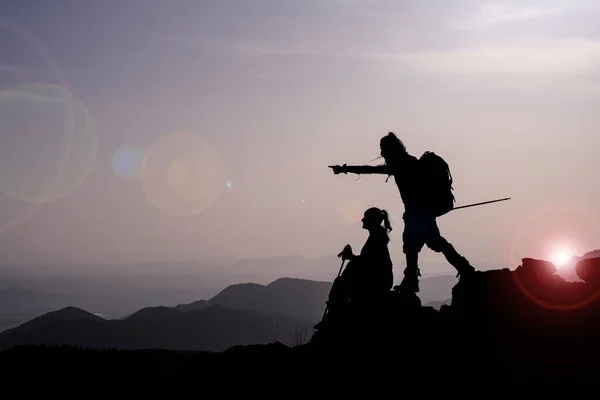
[436, 183]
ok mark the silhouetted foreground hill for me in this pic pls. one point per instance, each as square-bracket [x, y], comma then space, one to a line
[214, 328]
[568, 270]
[529, 313]
[525, 330]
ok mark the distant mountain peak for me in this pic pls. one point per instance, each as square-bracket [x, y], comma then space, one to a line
[287, 280]
[154, 312]
[71, 312]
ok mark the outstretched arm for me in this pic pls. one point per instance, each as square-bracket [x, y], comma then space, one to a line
[361, 169]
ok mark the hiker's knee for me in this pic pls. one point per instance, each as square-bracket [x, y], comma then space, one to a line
[340, 280]
[438, 244]
[412, 247]
[339, 285]
[350, 269]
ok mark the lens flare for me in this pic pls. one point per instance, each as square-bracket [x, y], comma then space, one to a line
[48, 143]
[14, 212]
[554, 229]
[128, 162]
[30, 47]
[183, 174]
[193, 177]
[561, 257]
[352, 211]
[537, 237]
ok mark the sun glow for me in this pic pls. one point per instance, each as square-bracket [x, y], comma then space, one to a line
[561, 257]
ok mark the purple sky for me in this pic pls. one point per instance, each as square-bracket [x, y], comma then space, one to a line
[275, 91]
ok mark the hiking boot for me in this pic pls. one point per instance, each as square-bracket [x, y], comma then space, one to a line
[408, 286]
[466, 270]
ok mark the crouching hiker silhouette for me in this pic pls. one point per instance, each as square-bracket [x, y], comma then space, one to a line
[368, 277]
[425, 186]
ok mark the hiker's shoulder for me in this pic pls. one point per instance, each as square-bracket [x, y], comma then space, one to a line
[412, 159]
[378, 236]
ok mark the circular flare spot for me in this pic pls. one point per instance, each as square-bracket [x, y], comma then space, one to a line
[183, 174]
[15, 36]
[193, 176]
[352, 211]
[13, 213]
[48, 143]
[128, 162]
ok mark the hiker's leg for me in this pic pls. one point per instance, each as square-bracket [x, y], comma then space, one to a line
[337, 289]
[460, 263]
[373, 284]
[413, 242]
[339, 294]
[436, 242]
[410, 282]
[388, 281]
[343, 283]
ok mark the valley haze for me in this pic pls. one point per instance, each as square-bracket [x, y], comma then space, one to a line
[115, 291]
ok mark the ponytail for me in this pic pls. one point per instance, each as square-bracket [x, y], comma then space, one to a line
[386, 221]
[377, 216]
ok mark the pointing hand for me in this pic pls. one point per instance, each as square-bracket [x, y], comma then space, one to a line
[337, 169]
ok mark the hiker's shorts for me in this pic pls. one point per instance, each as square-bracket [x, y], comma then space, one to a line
[421, 229]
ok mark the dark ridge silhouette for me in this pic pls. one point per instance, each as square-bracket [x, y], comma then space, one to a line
[195, 305]
[214, 328]
[501, 318]
[568, 270]
[300, 298]
[64, 314]
[160, 312]
[588, 271]
[591, 254]
[505, 332]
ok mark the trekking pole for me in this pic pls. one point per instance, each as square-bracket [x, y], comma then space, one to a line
[338, 275]
[478, 204]
[341, 267]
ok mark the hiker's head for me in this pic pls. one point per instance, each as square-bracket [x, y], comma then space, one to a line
[391, 147]
[374, 217]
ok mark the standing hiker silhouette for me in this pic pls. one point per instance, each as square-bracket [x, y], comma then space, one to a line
[420, 226]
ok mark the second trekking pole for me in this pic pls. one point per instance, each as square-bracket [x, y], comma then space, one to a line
[479, 204]
[338, 275]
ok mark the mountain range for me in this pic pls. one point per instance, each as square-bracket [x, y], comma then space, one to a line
[25, 297]
[508, 333]
[283, 310]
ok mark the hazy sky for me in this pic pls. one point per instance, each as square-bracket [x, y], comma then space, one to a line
[240, 106]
